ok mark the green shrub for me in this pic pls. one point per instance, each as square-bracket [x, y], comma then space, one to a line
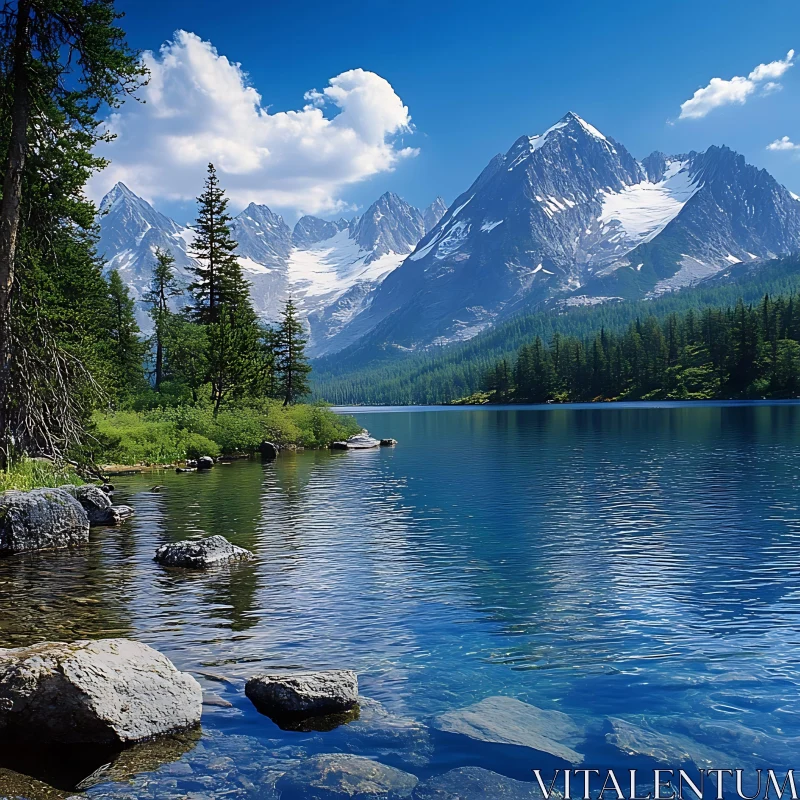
[31, 474]
[198, 445]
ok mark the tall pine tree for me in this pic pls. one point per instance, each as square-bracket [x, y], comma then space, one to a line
[164, 285]
[127, 347]
[291, 361]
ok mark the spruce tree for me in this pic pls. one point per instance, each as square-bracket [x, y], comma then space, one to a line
[60, 63]
[217, 270]
[164, 285]
[291, 362]
[127, 347]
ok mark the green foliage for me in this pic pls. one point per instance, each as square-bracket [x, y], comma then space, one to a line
[26, 474]
[166, 435]
[735, 352]
[291, 363]
[126, 348]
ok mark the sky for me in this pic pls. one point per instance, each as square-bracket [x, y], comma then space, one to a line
[320, 107]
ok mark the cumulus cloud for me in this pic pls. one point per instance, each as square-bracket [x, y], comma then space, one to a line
[784, 143]
[736, 90]
[199, 107]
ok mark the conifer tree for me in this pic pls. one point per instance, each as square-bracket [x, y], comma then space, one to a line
[290, 360]
[164, 286]
[127, 347]
[61, 61]
[217, 274]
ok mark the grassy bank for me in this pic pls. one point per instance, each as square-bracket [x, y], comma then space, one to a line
[167, 435]
[29, 474]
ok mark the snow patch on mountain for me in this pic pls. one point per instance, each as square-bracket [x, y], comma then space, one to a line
[643, 210]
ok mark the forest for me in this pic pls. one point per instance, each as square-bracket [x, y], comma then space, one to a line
[741, 351]
[79, 382]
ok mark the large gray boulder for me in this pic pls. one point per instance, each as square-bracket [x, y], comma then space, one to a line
[97, 505]
[110, 691]
[205, 462]
[201, 553]
[39, 520]
[303, 694]
[506, 720]
[475, 783]
[335, 776]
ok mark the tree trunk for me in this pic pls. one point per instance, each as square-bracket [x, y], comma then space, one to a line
[10, 206]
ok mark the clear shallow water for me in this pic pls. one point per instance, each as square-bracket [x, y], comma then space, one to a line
[636, 563]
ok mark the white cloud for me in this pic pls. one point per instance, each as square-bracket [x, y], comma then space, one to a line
[199, 107]
[784, 143]
[722, 92]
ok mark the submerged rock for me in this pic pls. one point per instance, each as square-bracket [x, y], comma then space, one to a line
[41, 519]
[201, 553]
[303, 694]
[335, 776]
[97, 505]
[179, 470]
[475, 783]
[205, 462]
[15, 786]
[671, 749]
[388, 442]
[110, 691]
[505, 720]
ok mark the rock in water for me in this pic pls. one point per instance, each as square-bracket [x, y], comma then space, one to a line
[362, 441]
[505, 720]
[388, 442]
[269, 452]
[475, 783]
[97, 505]
[335, 776]
[205, 462]
[303, 694]
[110, 691]
[41, 519]
[201, 553]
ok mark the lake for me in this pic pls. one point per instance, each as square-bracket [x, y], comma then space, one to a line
[634, 567]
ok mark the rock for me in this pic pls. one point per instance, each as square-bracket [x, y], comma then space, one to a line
[269, 452]
[201, 553]
[505, 720]
[110, 691]
[205, 462]
[671, 749]
[339, 446]
[475, 783]
[108, 488]
[41, 519]
[97, 505]
[362, 441]
[211, 699]
[381, 734]
[336, 776]
[388, 442]
[157, 489]
[301, 695]
[185, 469]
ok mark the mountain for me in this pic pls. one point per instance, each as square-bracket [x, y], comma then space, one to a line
[433, 213]
[331, 268]
[571, 217]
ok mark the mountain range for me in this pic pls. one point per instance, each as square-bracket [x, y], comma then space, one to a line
[566, 217]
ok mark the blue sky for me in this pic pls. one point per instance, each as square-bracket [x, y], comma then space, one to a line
[473, 75]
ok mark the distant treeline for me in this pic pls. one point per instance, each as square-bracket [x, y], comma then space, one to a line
[741, 351]
[445, 374]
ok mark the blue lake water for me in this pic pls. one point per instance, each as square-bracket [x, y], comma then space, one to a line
[613, 563]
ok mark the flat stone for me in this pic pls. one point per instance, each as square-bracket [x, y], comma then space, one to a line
[303, 694]
[41, 519]
[505, 720]
[109, 691]
[336, 776]
[475, 783]
[201, 553]
[670, 749]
